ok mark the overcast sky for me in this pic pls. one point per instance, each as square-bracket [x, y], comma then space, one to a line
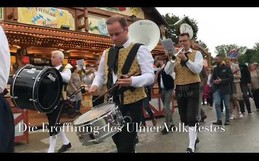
[222, 25]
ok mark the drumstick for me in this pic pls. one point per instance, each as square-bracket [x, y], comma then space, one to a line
[105, 92]
[113, 87]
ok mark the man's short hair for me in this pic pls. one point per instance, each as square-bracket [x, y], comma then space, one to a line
[58, 53]
[117, 18]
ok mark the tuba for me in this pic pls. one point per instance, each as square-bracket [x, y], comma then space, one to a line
[145, 32]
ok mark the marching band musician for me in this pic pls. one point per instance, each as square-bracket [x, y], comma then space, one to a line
[187, 66]
[53, 117]
[110, 68]
[6, 116]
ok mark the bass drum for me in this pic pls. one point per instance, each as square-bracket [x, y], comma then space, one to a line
[37, 88]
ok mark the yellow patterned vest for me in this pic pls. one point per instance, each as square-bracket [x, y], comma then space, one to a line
[183, 75]
[138, 93]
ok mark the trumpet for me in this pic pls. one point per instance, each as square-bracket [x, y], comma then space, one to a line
[172, 56]
[179, 51]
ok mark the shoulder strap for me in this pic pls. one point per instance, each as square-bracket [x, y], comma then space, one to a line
[127, 64]
[130, 58]
[61, 68]
[111, 58]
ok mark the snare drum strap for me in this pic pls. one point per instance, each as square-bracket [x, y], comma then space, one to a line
[127, 65]
[118, 93]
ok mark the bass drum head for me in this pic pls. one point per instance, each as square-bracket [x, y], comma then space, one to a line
[93, 114]
[47, 91]
[22, 87]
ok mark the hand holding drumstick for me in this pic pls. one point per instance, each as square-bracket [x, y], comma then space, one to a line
[124, 81]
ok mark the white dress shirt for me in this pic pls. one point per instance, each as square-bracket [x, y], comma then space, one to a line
[195, 66]
[145, 61]
[66, 74]
[5, 60]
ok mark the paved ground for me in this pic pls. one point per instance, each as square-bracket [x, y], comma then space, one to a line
[240, 136]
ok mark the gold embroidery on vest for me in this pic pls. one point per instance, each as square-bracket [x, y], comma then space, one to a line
[183, 75]
[138, 93]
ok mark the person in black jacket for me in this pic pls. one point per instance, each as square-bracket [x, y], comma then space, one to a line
[204, 79]
[222, 78]
[245, 83]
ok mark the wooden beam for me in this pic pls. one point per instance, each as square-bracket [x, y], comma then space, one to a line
[101, 12]
[80, 16]
[44, 32]
[81, 27]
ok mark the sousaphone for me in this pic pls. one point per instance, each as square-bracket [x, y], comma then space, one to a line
[145, 32]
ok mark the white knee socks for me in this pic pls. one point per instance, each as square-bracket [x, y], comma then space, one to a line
[63, 137]
[192, 137]
[52, 143]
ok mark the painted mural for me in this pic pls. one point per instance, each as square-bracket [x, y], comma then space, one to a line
[129, 11]
[97, 25]
[46, 16]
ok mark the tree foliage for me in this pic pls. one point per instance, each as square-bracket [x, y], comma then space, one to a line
[174, 31]
[203, 44]
[246, 58]
[225, 49]
[245, 55]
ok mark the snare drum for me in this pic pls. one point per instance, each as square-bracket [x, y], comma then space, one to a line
[98, 124]
[37, 88]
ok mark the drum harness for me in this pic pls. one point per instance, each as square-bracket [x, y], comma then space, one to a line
[115, 93]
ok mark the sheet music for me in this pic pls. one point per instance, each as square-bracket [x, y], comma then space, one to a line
[168, 45]
[80, 63]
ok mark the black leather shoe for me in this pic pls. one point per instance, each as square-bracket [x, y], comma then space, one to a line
[164, 131]
[64, 148]
[196, 142]
[227, 123]
[203, 118]
[219, 122]
[189, 150]
[136, 140]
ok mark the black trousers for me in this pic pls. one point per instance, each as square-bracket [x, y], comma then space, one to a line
[245, 101]
[146, 106]
[187, 97]
[7, 132]
[126, 139]
[54, 125]
[256, 97]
